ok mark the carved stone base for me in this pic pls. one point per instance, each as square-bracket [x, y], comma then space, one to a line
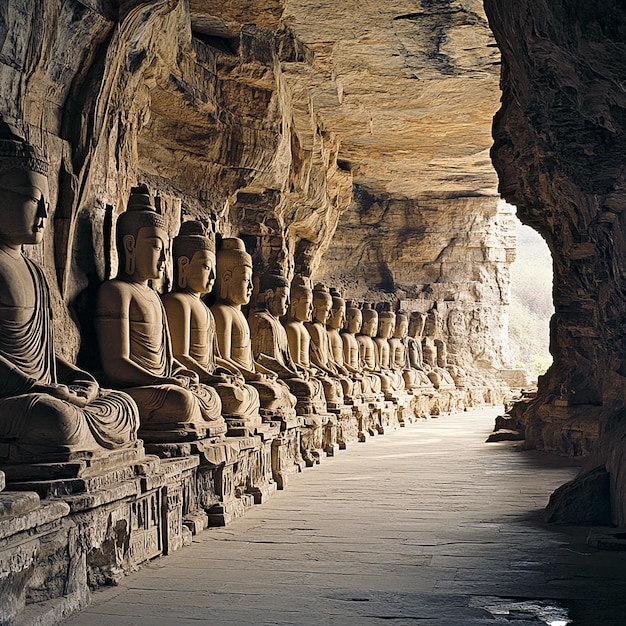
[77, 476]
[373, 419]
[312, 437]
[349, 425]
[287, 455]
[224, 513]
[109, 516]
[43, 569]
[420, 403]
[329, 441]
[187, 431]
[234, 472]
[402, 409]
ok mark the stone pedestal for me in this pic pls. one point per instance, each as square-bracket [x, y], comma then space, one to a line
[312, 436]
[111, 513]
[234, 473]
[43, 573]
[349, 424]
[287, 453]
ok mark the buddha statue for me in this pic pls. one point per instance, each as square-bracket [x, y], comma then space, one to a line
[320, 351]
[352, 358]
[50, 410]
[233, 289]
[351, 377]
[134, 339]
[398, 355]
[415, 355]
[192, 327]
[367, 348]
[299, 314]
[439, 376]
[392, 379]
[270, 345]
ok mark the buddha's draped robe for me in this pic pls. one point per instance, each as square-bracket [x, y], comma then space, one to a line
[151, 349]
[269, 337]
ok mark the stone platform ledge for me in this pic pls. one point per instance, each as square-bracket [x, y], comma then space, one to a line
[25, 511]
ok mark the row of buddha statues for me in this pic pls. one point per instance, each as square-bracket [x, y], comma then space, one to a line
[174, 368]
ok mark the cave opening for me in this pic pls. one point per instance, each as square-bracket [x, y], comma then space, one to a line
[531, 305]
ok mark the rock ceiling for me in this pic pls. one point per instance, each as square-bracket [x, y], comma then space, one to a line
[409, 87]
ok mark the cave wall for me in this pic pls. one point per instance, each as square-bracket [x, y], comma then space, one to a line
[560, 152]
[452, 253]
[294, 125]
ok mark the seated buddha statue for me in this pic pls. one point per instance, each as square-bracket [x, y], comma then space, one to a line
[134, 339]
[439, 376]
[299, 313]
[192, 327]
[270, 345]
[351, 377]
[233, 289]
[352, 358]
[49, 408]
[386, 326]
[335, 383]
[368, 350]
[398, 355]
[415, 354]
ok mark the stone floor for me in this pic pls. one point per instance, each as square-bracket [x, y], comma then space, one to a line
[423, 525]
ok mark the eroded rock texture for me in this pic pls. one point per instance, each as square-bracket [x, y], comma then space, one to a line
[560, 151]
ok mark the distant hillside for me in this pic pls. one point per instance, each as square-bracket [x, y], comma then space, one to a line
[531, 302]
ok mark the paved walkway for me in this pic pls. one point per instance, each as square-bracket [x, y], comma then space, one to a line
[423, 525]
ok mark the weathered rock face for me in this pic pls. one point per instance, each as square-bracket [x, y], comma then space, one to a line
[454, 253]
[560, 151]
[259, 117]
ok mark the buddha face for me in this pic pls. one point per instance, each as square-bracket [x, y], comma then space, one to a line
[149, 251]
[302, 305]
[337, 316]
[416, 325]
[24, 207]
[430, 326]
[402, 326]
[198, 274]
[278, 301]
[321, 308]
[354, 320]
[386, 326]
[370, 323]
[238, 284]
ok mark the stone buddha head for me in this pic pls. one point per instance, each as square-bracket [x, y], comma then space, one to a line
[301, 297]
[322, 303]
[274, 289]
[193, 252]
[416, 324]
[370, 320]
[234, 272]
[354, 319]
[142, 239]
[432, 324]
[338, 310]
[402, 325]
[386, 324]
[23, 190]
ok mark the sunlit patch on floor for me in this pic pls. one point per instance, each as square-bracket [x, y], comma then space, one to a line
[545, 612]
